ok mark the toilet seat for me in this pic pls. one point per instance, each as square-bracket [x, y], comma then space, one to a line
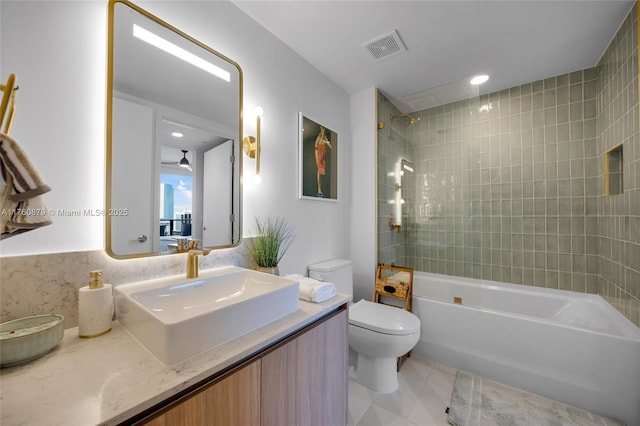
[383, 319]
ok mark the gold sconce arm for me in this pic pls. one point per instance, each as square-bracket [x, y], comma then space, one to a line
[393, 225]
[252, 144]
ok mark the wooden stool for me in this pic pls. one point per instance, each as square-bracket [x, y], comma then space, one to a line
[395, 283]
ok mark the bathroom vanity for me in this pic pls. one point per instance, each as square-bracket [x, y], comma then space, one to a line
[292, 371]
[298, 381]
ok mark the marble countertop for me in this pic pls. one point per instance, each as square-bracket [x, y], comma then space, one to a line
[109, 379]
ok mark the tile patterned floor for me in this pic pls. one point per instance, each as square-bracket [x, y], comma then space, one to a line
[424, 394]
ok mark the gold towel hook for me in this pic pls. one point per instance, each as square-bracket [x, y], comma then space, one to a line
[7, 107]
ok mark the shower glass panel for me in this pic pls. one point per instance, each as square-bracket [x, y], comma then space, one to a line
[426, 197]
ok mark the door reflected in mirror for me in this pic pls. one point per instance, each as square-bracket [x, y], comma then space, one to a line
[173, 139]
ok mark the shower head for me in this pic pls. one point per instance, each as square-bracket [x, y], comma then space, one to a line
[407, 116]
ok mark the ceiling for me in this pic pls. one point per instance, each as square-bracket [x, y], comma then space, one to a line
[515, 41]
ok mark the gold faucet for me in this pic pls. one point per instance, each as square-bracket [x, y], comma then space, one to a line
[192, 261]
[182, 244]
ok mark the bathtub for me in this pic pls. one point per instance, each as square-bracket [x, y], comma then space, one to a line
[571, 347]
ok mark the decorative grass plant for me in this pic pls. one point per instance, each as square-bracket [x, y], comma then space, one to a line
[272, 240]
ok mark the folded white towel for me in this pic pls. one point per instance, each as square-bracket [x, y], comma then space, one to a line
[313, 290]
[400, 277]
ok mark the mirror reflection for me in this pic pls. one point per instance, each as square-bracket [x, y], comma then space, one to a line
[173, 139]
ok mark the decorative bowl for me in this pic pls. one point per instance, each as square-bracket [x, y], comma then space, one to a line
[25, 339]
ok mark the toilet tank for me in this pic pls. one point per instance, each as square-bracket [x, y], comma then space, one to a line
[336, 271]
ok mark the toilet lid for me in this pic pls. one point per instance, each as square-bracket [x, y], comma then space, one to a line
[382, 318]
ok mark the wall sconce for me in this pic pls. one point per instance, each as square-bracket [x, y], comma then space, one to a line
[252, 145]
[406, 165]
[401, 167]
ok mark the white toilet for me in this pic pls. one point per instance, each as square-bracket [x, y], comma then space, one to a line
[379, 334]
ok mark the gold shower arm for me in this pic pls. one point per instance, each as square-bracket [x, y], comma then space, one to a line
[408, 116]
[7, 107]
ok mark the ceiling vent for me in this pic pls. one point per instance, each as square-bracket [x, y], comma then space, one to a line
[385, 46]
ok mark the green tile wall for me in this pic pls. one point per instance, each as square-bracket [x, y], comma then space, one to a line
[619, 215]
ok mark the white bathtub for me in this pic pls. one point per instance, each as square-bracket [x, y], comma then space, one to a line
[571, 347]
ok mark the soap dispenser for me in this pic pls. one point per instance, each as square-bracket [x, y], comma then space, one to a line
[95, 310]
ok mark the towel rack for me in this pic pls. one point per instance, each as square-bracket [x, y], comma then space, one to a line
[8, 105]
[395, 282]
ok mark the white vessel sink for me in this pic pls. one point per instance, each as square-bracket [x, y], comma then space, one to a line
[176, 318]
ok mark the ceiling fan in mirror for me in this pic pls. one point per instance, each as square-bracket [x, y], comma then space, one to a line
[183, 162]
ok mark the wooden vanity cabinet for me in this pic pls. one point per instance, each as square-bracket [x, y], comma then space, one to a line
[234, 400]
[299, 381]
[304, 380]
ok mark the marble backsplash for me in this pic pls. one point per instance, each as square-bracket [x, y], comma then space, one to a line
[49, 283]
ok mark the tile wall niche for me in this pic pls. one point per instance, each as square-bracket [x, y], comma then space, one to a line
[509, 186]
[49, 283]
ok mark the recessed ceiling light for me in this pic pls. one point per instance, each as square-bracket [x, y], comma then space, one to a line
[479, 79]
[177, 134]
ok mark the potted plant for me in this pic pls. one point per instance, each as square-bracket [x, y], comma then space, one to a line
[271, 241]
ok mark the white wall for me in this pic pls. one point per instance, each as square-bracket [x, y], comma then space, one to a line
[57, 49]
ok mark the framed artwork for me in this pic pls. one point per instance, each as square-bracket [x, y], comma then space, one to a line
[318, 162]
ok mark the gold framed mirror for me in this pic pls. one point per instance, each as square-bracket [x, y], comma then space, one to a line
[173, 139]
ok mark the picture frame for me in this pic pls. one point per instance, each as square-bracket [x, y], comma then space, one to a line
[318, 160]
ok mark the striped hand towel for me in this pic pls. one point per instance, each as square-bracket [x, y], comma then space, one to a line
[21, 208]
